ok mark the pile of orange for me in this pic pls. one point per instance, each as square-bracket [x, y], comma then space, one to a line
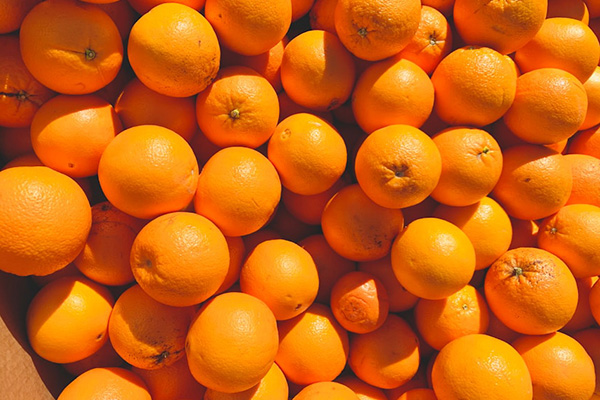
[305, 199]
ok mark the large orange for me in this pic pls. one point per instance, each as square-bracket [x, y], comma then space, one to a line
[113, 383]
[94, 48]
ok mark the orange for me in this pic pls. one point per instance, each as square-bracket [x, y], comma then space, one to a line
[550, 105]
[122, 14]
[479, 366]
[174, 50]
[139, 105]
[317, 71]
[418, 394]
[375, 29]
[174, 381]
[309, 208]
[288, 107]
[203, 148]
[564, 43]
[273, 386]
[148, 170]
[45, 218]
[253, 239]
[145, 333]
[460, 314]
[283, 275]
[474, 86]
[586, 174]
[592, 89]
[497, 329]
[531, 291]
[363, 390]
[398, 166]
[95, 49]
[238, 189]
[357, 228]
[67, 319]
[322, 15]
[313, 347]
[585, 142]
[180, 259]
[289, 227]
[486, 224]
[113, 383]
[431, 42]
[237, 254]
[393, 91]
[13, 12]
[432, 258]
[535, 182]
[568, 8]
[359, 302]
[70, 133]
[21, 94]
[105, 357]
[423, 209]
[308, 153]
[471, 165]
[14, 142]
[240, 108]
[249, 27]
[443, 6]
[573, 234]
[105, 257]
[143, 6]
[300, 8]
[588, 338]
[502, 26]
[232, 342]
[583, 317]
[326, 391]
[387, 357]
[559, 366]
[594, 300]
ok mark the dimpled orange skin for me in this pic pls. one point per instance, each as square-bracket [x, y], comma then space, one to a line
[103, 383]
[326, 391]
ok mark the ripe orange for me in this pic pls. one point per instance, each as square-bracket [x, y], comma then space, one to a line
[105, 357]
[432, 258]
[113, 383]
[583, 317]
[398, 166]
[586, 172]
[309, 208]
[326, 391]
[273, 386]
[45, 218]
[322, 15]
[363, 390]
[418, 394]
[592, 89]
[143, 6]
[480, 367]
[14, 142]
[13, 12]
[238, 189]
[237, 254]
[568, 8]
[232, 342]
[174, 50]
[148, 170]
[585, 142]
[95, 48]
[531, 291]
[588, 338]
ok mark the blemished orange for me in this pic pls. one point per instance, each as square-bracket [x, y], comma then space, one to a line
[398, 166]
[362, 389]
[592, 90]
[317, 71]
[261, 23]
[313, 346]
[309, 208]
[40, 234]
[145, 333]
[176, 271]
[375, 29]
[559, 366]
[393, 91]
[573, 235]
[232, 342]
[13, 12]
[148, 170]
[479, 366]
[576, 9]
[535, 182]
[143, 6]
[105, 257]
[357, 228]
[326, 391]
[70, 133]
[283, 275]
[114, 383]
[239, 108]
[432, 258]
[359, 302]
[474, 86]
[583, 317]
[549, 106]
[588, 338]
[471, 165]
[309, 153]
[531, 291]
[105, 357]
[462, 313]
[564, 43]
[96, 49]
[239, 190]
[431, 42]
[585, 142]
[387, 357]
[170, 382]
[22, 94]
[502, 26]
[322, 15]
[273, 386]
[174, 50]
[586, 174]
[486, 224]
[139, 105]
[67, 319]
[237, 255]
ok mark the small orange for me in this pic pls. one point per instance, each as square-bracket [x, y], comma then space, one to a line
[309, 208]
[586, 142]
[592, 89]
[326, 391]
[363, 390]
[67, 319]
[13, 12]
[273, 386]
[113, 383]
[432, 258]
[586, 174]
